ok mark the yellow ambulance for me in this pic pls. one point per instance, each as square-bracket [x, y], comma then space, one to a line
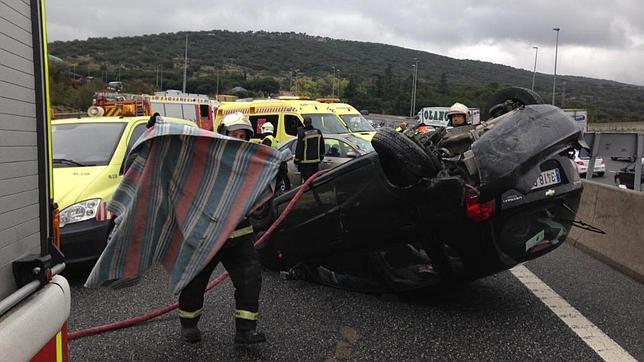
[351, 117]
[88, 158]
[286, 115]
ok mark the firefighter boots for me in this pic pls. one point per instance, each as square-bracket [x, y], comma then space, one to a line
[249, 336]
[191, 334]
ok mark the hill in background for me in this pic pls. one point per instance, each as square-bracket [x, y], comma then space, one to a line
[370, 76]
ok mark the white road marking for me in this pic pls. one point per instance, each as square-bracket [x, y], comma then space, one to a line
[597, 340]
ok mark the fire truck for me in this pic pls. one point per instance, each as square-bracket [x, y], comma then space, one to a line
[198, 108]
[34, 299]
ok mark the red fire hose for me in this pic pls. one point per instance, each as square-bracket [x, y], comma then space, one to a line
[220, 278]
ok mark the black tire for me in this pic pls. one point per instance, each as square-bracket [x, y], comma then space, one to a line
[403, 161]
[511, 98]
[600, 174]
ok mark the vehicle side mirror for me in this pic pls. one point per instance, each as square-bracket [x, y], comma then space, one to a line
[352, 154]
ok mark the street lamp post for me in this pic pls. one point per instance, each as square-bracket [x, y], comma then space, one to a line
[415, 84]
[554, 79]
[414, 74]
[333, 83]
[534, 73]
[338, 71]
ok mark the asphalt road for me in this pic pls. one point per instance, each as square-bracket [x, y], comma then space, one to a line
[496, 318]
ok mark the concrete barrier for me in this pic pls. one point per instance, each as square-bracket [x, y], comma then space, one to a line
[620, 213]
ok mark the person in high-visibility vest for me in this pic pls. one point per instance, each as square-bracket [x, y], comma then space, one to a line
[309, 150]
[267, 133]
[240, 260]
[401, 127]
[283, 182]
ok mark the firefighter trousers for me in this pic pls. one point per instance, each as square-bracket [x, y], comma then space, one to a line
[240, 260]
[308, 169]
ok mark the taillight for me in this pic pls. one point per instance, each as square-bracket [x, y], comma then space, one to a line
[476, 210]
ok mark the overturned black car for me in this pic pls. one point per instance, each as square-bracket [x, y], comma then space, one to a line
[430, 209]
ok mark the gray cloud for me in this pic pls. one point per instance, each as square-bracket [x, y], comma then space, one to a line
[601, 39]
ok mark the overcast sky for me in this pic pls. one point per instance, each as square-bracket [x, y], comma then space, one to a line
[598, 38]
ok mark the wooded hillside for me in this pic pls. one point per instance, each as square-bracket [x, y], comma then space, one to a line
[371, 76]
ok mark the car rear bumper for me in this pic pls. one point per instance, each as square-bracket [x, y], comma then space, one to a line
[84, 240]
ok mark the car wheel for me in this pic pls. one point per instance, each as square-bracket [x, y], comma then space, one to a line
[600, 174]
[403, 161]
[511, 98]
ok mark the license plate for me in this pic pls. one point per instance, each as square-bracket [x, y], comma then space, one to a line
[547, 178]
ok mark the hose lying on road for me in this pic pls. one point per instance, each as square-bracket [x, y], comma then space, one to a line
[220, 278]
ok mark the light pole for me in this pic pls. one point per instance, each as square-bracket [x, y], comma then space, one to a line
[411, 100]
[534, 73]
[295, 71]
[554, 79]
[414, 74]
[185, 65]
[217, 81]
[333, 83]
[338, 70]
[415, 84]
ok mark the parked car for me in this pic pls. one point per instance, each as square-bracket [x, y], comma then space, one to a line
[582, 158]
[626, 177]
[430, 209]
[339, 148]
[89, 154]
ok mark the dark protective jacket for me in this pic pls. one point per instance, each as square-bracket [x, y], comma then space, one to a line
[310, 145]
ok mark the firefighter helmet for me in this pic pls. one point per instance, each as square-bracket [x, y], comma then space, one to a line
[268, 128]
[458, 108]
[236, 121]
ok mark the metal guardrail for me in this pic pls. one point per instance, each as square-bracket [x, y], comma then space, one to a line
[616, 145]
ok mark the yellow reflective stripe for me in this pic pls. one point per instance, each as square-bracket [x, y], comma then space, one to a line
[189, 315]
[244, 314]
[59, 346]
[241, 232]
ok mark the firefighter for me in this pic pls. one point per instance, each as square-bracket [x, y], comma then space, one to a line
[458, 115]
[401, 127]
[267, 133]
[283, 182]
[240, 260]
[309, 150]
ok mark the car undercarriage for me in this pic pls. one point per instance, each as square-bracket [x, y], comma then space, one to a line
[432, 208]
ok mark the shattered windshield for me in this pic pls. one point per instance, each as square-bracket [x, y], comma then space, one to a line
[85, 144]
[327, 123]
[357, 123]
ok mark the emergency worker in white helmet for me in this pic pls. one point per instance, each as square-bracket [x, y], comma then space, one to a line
[240, 260]
[267, 134]
[236, 125]
[458, 115]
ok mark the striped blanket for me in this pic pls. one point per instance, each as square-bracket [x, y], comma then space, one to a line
[180, 199]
